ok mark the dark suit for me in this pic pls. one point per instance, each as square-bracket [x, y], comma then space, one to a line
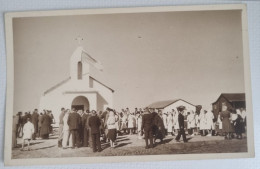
[35, 119]
[147, 126]
[74, 121]
[85, 126]
[181, 132]
[94, 124]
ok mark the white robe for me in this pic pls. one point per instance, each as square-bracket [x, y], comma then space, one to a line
[169, 123]
[197, 120]
[203, 121]
[139, 123]
[28, 130]
[190, 121]
[164, 116]
[219, 122]
[131, 121]
[210, 124]
[66, 132]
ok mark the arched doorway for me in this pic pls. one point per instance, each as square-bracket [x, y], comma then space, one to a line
[80, 103]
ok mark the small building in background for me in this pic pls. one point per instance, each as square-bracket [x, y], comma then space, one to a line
[231, 100]
[168, 105]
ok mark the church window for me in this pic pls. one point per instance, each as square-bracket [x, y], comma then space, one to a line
[79, 70]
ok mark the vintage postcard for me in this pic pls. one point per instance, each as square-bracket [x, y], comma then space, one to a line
[128, 84]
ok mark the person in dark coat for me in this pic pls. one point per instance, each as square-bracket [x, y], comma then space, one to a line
[74, 121]
[226, 124]
[104, 117]
[84, 121]
[81, 127]
[39, 124]
[159, 129]
[45, 125]
[35, 118]
[239, 125]
[181, 132]
[147, 126]
[94, 124]
[19, 125]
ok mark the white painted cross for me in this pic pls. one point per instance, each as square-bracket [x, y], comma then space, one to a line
[79, 39]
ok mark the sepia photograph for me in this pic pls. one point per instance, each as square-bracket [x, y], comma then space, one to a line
[128, 84]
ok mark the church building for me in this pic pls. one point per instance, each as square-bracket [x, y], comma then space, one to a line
[80, 90]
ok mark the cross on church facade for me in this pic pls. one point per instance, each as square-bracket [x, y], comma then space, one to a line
[79, 39]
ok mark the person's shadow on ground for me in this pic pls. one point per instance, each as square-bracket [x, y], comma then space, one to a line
[44, 147]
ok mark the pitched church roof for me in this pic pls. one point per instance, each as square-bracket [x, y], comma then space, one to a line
[165, 103]
[67, 79]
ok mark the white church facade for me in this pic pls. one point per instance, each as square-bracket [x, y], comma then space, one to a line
[80, 91]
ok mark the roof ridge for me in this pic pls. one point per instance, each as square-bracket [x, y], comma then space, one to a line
[57, 85]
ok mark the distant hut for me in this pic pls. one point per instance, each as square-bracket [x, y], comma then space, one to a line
[168, 105]
[231, 100]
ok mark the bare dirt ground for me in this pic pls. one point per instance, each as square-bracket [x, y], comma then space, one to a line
[131, 145]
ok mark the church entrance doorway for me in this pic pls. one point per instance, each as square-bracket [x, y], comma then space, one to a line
[80, 103]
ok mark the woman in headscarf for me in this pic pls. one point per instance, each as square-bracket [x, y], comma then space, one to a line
[111, 125]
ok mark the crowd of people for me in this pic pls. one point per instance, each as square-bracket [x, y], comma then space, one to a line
[31, 126]
[78, 128]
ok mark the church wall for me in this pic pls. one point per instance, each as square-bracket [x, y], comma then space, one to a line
[55, 101]
[105, 97]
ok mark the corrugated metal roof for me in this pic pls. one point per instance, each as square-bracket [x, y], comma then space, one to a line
[233, 97]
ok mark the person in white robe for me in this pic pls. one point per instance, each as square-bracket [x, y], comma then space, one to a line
[203, 122]
[124, 122]
[131, 123]
[28, 130]
[219, 122]
[169, 123]
[164, 117]
[210, 124]
[191, 122]
[197, 124]
[139, 125]
[66, 132]
[175, 123]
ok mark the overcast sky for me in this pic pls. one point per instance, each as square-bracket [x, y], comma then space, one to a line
[147, 57]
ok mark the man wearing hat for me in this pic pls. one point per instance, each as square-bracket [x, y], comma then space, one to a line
[94, 124]
[181, 132]
[74, 121]
[147, 124]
